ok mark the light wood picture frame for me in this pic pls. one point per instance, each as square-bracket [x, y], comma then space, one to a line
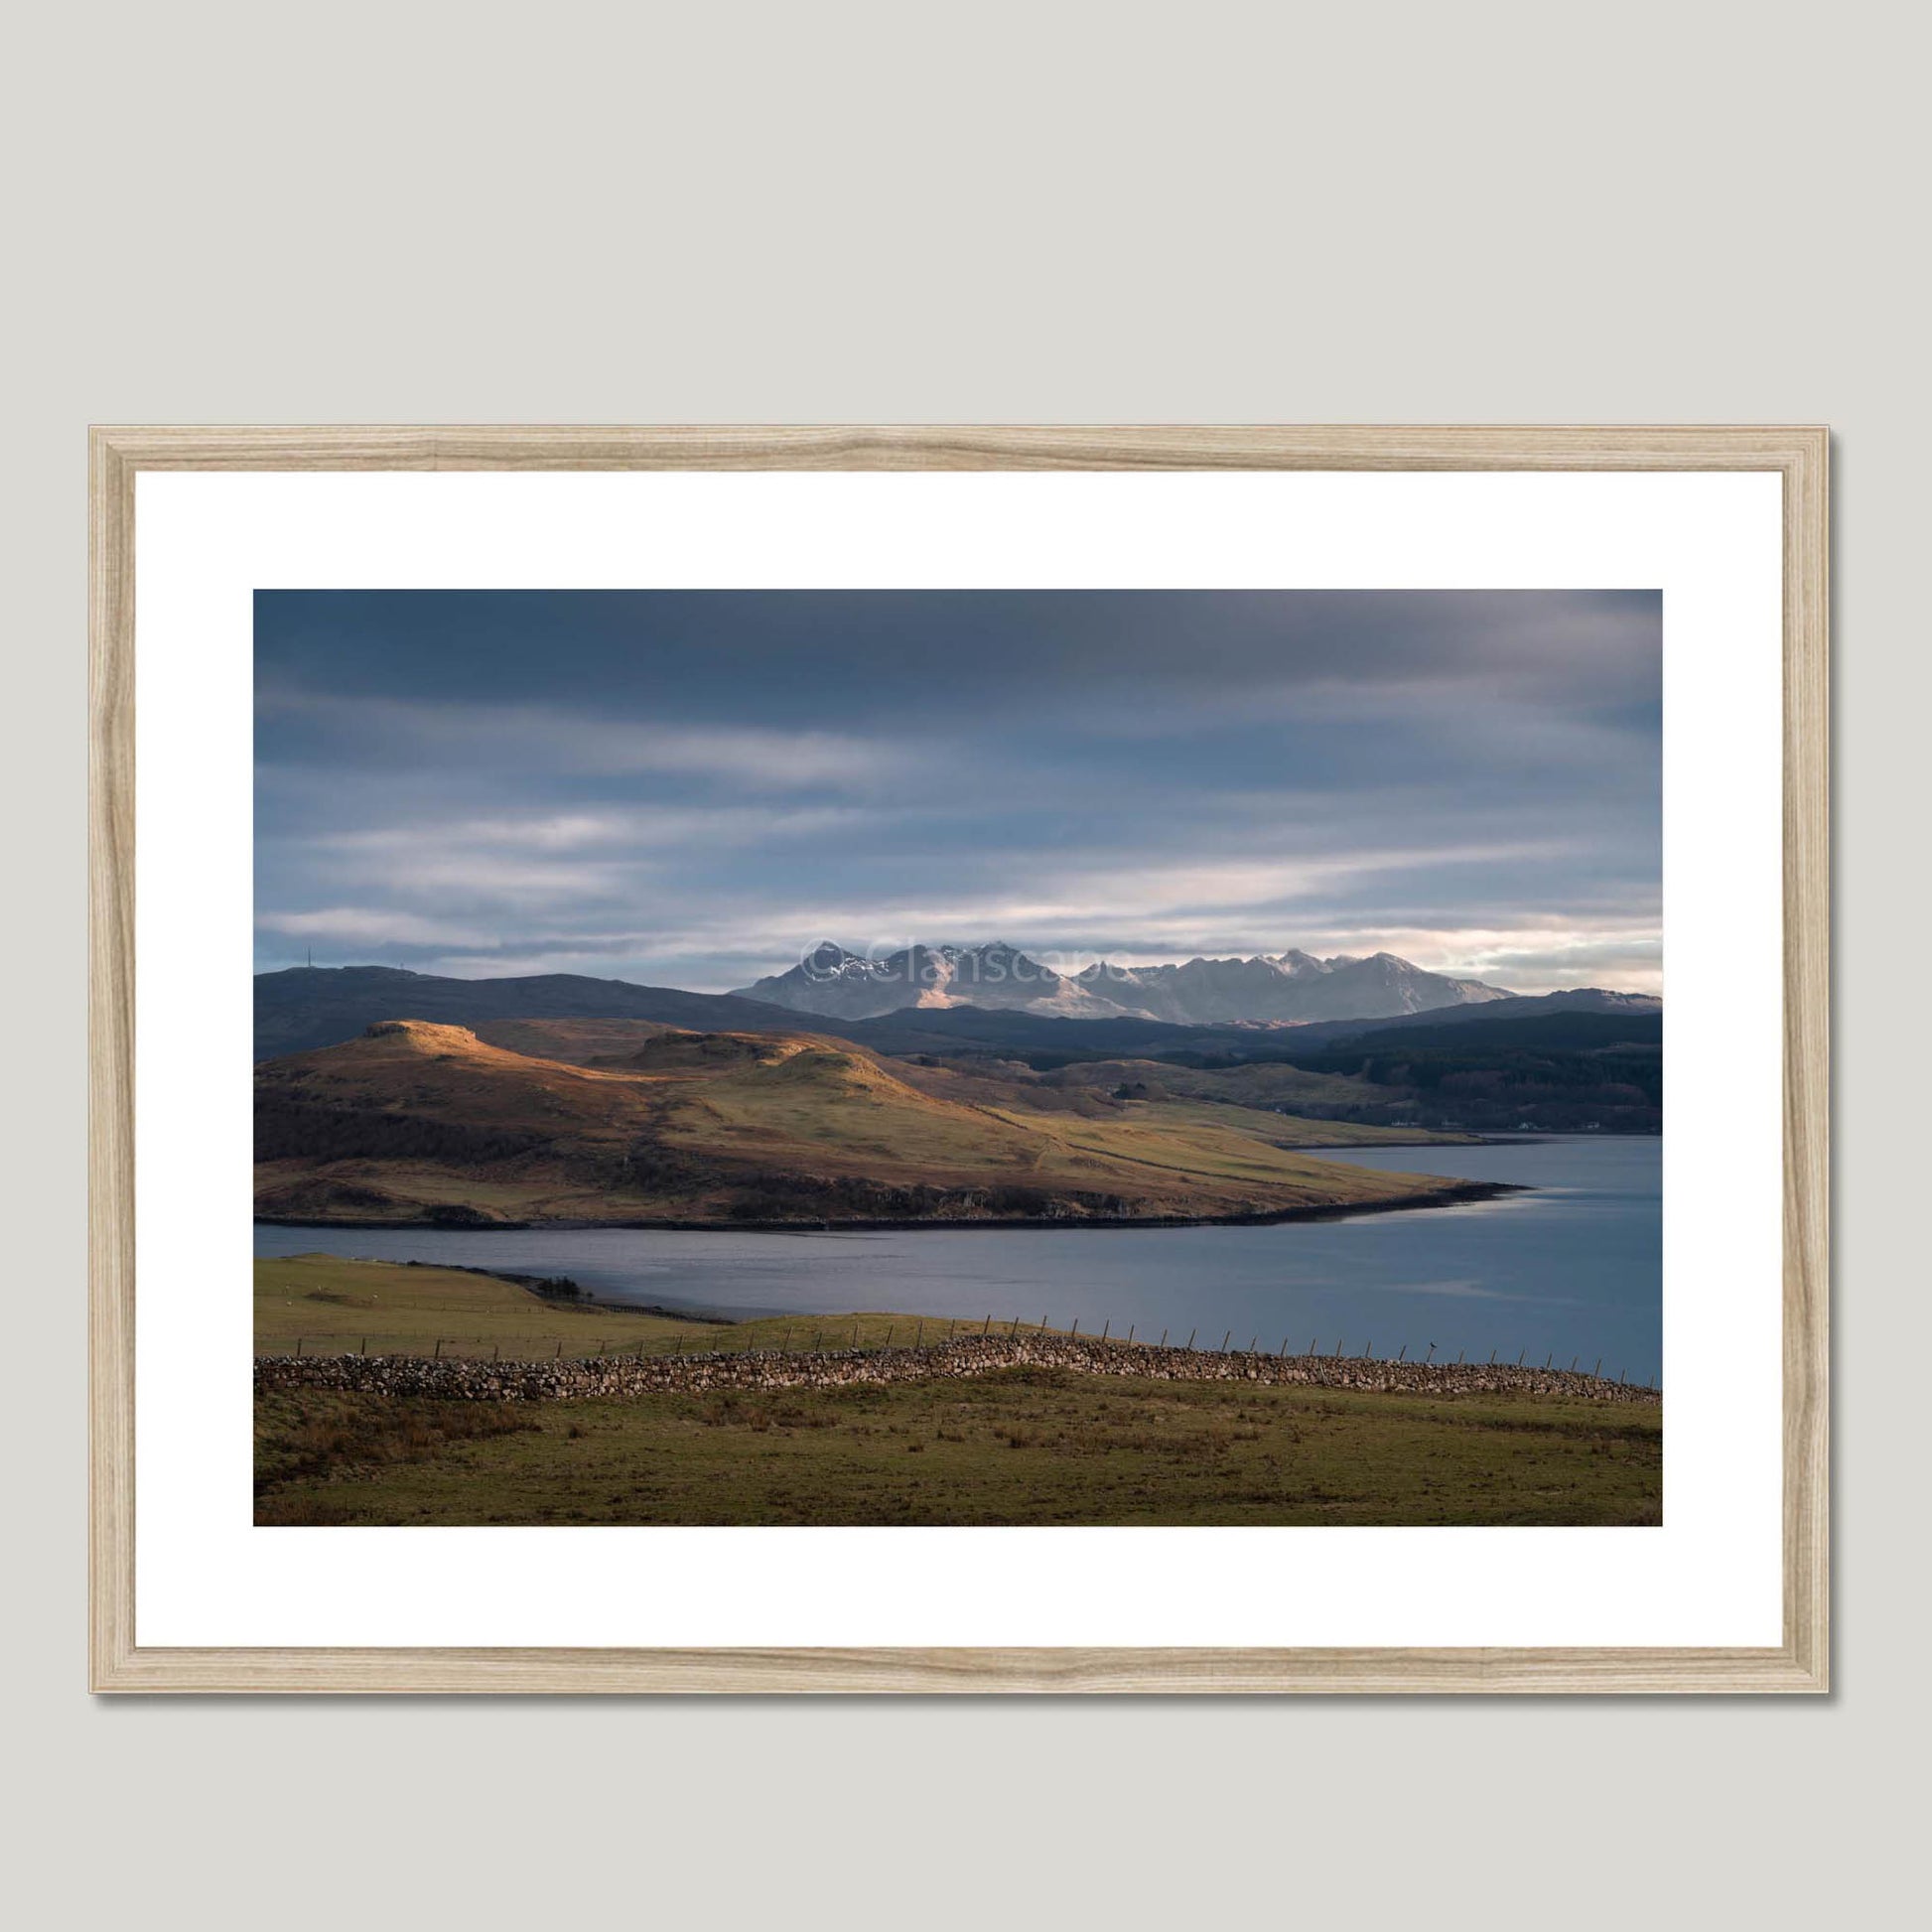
[1799, 1663]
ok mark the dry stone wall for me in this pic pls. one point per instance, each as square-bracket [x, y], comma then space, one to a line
[630, 1375]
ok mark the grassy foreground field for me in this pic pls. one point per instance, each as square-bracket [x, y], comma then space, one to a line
[1019, 1446]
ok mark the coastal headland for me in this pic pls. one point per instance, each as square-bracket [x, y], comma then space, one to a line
[430, 1125]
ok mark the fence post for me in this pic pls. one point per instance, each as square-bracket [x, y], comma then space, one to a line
[1163, 1338]
[1130, 1331]
[496, 1354]
[1595, 1371]
[1105, 1326]
[986, 1327]
[1225, 1339]
[365, 1349]
[298, 1346]
[1252, 1339]
[918, 1341]
[1076, 1328]
[1404, 1355]
[438, 1356]
[1192, 1333]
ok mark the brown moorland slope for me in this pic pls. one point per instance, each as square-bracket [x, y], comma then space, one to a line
[421, 1122]
[1247, 1099]
[580, 1043]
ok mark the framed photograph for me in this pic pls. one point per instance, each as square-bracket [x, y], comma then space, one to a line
[970, 1059]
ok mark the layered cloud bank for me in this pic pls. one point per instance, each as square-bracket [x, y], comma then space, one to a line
[695, 788]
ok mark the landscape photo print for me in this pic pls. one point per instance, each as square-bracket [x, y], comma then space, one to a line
[958, 1057]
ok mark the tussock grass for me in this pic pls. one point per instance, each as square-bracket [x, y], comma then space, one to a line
[326, 1436]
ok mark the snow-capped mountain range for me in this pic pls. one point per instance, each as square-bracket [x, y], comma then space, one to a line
[1271, 987]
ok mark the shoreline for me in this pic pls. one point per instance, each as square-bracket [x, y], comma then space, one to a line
[583, 1301]
[1453, 1194]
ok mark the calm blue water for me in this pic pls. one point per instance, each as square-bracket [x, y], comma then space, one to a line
[1573, 1269]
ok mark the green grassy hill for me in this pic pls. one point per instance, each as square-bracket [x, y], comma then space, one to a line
[328, 1305]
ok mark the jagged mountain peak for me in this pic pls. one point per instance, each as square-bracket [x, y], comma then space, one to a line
[1265, 988]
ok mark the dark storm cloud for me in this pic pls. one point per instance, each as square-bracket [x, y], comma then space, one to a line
[692, 786]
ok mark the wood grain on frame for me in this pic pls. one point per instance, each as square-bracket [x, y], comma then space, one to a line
[1799, 1664]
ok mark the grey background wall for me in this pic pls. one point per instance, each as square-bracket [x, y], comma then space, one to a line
[1035, 212]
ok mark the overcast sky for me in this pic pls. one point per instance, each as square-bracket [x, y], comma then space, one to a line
[690, 789]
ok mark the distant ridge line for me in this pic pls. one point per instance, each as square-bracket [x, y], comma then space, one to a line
[299, 1008]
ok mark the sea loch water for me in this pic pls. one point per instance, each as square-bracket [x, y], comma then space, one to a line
[1571, 1269]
